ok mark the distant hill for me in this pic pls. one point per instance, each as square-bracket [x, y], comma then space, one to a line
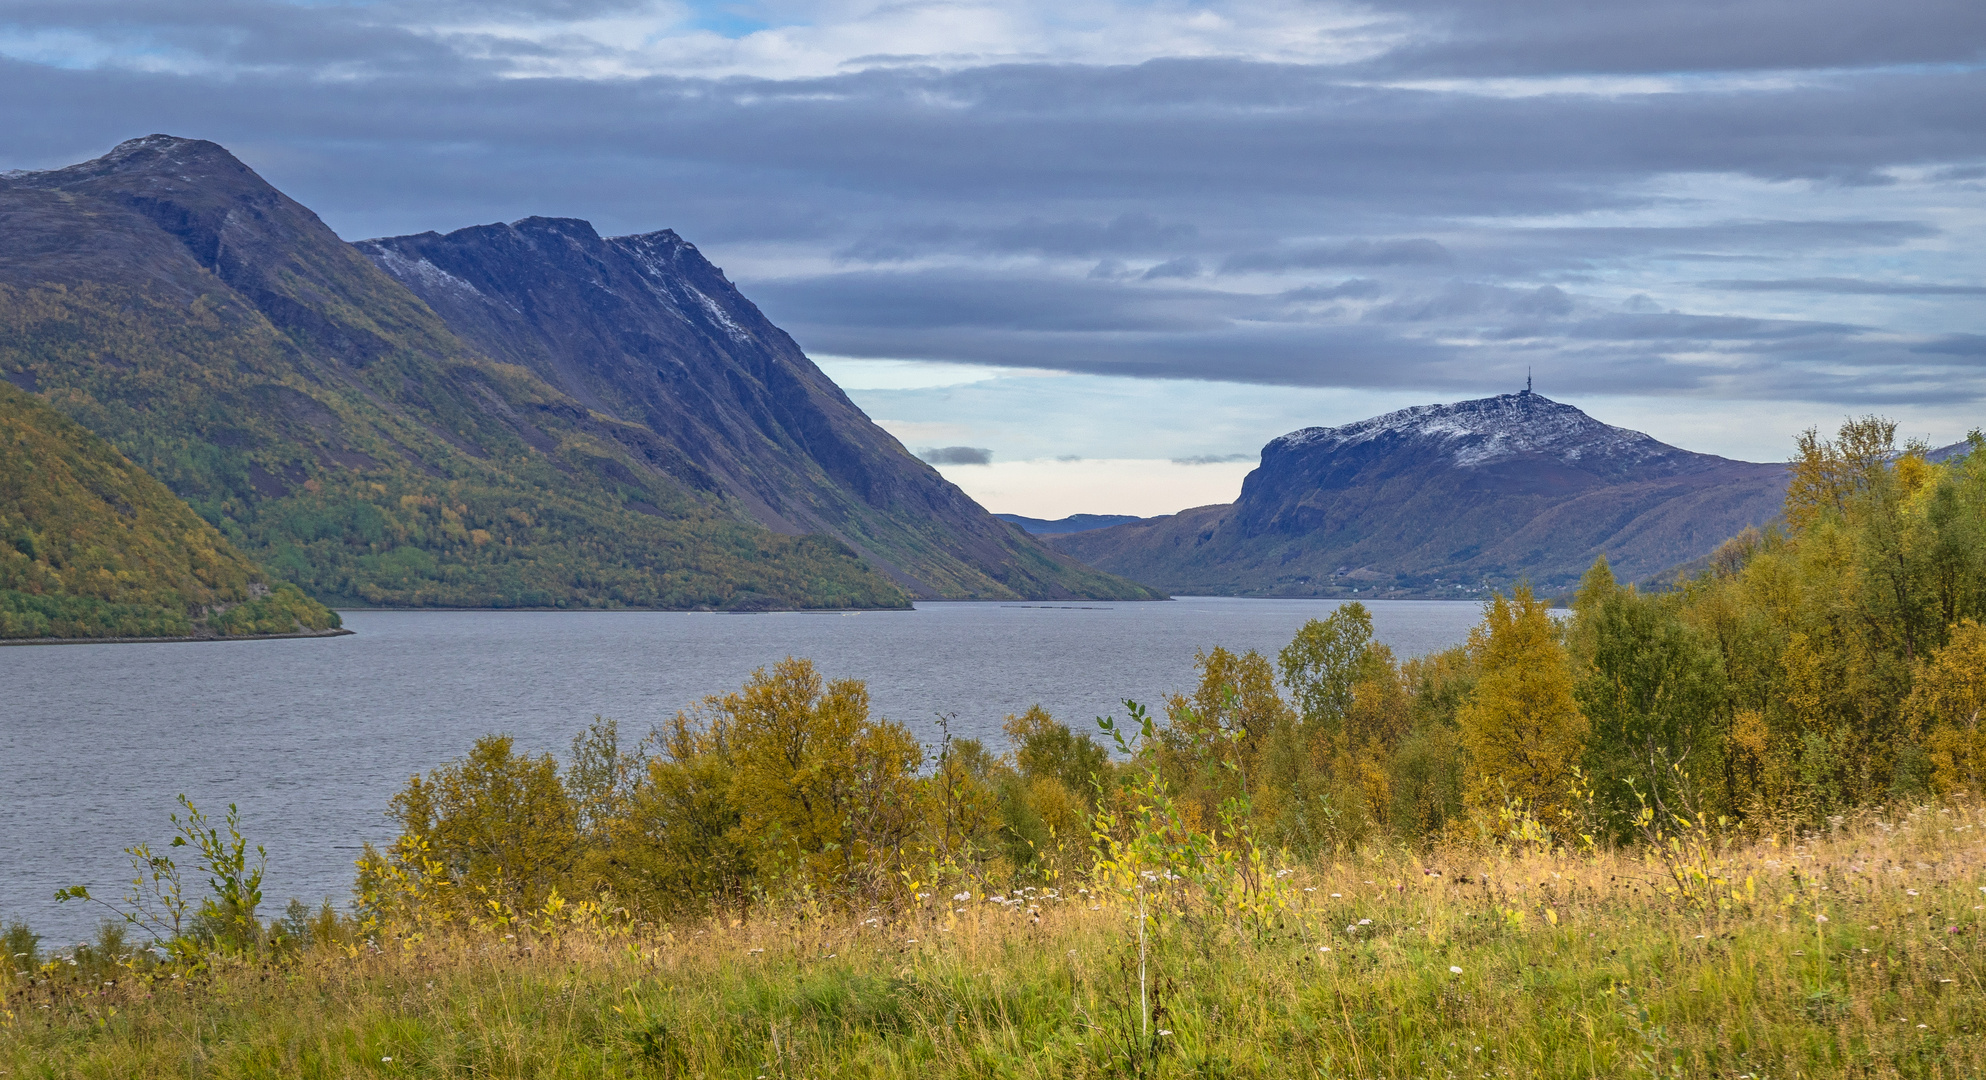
[336, 429]
[91, 546]
[1446, 501]
[1074, 523]
[1946, 453]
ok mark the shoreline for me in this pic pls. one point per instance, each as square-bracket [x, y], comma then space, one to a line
[340, 632]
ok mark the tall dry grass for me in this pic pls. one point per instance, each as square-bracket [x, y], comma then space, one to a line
[1854, 953]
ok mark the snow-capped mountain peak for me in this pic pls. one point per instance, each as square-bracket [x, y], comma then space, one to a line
[1490, 429]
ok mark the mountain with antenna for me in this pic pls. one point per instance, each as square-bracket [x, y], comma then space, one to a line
[1447, 501]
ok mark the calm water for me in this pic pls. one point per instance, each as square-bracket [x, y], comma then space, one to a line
[312, 738]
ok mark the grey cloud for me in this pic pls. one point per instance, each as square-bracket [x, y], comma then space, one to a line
[1468, 300]
[1545, 300]
[428, 12]
[1754, 234]
[1847, 287]
[1441, 37]
[1535, 251]
[1125, 234]
[1186, 333]
[1285, 170]
[1336, 357]
[958, 300]
[1529, 37]
[1351, 289]
[956, 455]
[1231, 144]
[1848, 368]
[1690, 329]
[245, 36]
[1956, 345]
[1185, 266]
[1419, 252]
[1213, 459]
[1247, 152]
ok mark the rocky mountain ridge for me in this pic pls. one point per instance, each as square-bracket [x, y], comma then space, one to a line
[645, 330]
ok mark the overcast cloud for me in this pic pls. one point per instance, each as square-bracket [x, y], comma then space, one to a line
[1771, 205]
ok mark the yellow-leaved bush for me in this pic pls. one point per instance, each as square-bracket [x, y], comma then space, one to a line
[1523, 726]
[1945, 704]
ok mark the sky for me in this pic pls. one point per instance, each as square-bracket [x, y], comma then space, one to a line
[1089, 255]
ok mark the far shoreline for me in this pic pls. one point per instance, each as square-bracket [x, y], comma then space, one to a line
[184, 640]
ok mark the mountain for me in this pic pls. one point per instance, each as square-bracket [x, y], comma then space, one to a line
[1946, 453]
[1074, 523]
[95, 547]
[1447, 501]
[319, 414]
[643, 329]
[334, 427]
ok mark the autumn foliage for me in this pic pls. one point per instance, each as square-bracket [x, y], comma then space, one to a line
[1829, 663]
[92, 546]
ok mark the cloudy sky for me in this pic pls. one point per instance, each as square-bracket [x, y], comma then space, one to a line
[1119, 245]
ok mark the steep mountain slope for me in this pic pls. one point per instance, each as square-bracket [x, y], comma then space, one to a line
[94, 547]
[1446, 500]
[228, 342]
[643, 329]
[335, 428]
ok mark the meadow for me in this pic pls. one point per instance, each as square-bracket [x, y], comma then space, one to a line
[1856, 951]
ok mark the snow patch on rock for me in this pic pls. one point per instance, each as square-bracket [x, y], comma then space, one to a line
[658, 254]
[417, 270]
[721, 317]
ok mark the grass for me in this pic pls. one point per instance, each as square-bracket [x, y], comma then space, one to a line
[1569, 965]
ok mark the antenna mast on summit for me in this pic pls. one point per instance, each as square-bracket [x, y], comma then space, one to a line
[1527, 380]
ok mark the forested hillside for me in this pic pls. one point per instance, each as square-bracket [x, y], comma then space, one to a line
[94, 547]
